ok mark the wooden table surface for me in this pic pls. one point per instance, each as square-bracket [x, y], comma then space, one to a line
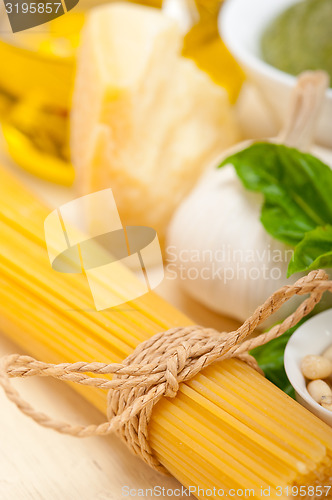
[39, 464]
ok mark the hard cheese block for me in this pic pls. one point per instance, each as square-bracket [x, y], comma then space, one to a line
[145, 120]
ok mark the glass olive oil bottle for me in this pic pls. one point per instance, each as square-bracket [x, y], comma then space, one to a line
[38, 75]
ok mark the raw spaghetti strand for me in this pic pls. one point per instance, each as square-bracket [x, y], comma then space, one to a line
[157, 367]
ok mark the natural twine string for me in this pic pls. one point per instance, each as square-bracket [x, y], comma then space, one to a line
[157, 367]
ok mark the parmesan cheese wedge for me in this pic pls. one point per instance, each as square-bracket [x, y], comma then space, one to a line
[145, 121]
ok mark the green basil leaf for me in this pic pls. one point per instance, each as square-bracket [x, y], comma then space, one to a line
[313, 252]
[270, 358]
[297, 188]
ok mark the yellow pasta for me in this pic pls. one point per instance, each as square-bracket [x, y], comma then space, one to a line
[228, 428]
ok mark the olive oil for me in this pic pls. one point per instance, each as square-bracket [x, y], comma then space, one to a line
[36, 86]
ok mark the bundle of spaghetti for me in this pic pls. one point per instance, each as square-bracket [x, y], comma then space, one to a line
[228, 428]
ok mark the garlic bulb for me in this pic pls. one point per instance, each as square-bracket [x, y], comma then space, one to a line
[217, 245]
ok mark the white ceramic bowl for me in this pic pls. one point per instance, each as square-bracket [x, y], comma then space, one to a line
[313, 337]
[241, 24]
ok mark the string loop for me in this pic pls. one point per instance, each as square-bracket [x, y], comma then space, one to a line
[158, 366]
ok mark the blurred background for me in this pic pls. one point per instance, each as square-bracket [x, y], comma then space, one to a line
[36, 86]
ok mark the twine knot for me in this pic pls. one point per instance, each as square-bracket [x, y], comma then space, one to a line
[158, 366]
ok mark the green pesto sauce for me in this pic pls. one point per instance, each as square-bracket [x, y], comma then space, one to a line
[300, 38]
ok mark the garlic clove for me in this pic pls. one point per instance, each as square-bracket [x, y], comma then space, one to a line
[222, 219]
[323, 154]
[217, 234]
